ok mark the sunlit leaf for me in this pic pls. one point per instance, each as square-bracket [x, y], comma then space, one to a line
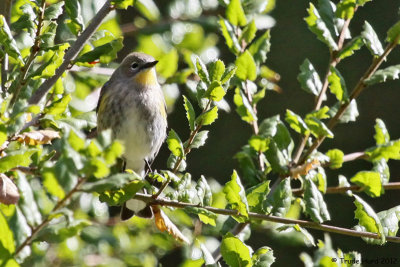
[234, 252]
[309, 78]
[371, 181]
[236, 197]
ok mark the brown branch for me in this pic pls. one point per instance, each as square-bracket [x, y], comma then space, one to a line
[252, 215]
[72, 52]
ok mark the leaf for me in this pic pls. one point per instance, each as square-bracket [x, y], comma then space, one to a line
[391, 150]
[335, 158]
[350, 114]
[73, 10]
[369, 180]
[114, 182]
[7, 41]
[59, 106]
[345, 9]
[8, 191]
[337, 85]
[208, 117]
[7, 242]
[309, 78]
[205, 216]
[56, 233]
[38, 137]
[371, 40]
[199, 139]
[243, 107]
[279, 202]
[249, 32]
[190, 114]
[318, 128]
[17, 158]
[163, 223]
[51, 184]
[120, 196]
[235, 13]
[246, 67]
[216, 70]
[390, 220]
[202, 71]
[53, 59]
[293, 228]
[349, 49]
[389, 73]
[381, 133]
[382, 168]
[148, 8]
[230, 37]
[215, 91]
[236, 197]
[234, 252]
[28, 203]
[204, 191]
[393, 34]
[228, 74]
[315, 205]
[104, 53]
[263, 257]
[368, 219]
[168, 64]
[258, 143]
[296, 122]
[53, 11]
[175, 144]
[319, 28]
[256, 196]
[122, 4]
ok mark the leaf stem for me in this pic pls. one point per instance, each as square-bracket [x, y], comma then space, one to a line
[59, 205]
[252, 215]
[72, 52]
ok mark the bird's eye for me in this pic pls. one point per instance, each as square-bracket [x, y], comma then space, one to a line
[135, 65]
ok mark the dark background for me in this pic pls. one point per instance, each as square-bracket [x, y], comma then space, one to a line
[291, 43]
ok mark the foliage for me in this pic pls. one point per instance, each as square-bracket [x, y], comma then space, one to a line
[58, 183]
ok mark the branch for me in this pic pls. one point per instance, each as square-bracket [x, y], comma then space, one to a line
[59, 205]
[353, 188]
[73, 52]
[252, 215]
[355, 93]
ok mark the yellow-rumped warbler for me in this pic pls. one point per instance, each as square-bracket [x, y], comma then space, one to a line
[132, 105]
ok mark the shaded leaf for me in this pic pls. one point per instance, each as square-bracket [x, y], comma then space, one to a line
[199, 139]
[279, 202]
[393, 33]
[371, 40]
[53, 11]
[234, 252]
[8, 191]
[7, 41]
[389, 73]
[263, 257]
[309, 78]
[256, 196]
[315, 205]
[104, 53]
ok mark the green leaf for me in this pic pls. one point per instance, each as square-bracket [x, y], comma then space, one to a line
[114, 182]
[202, 71]
[349, 49]
[391, 150]
[337, 85]
[204, 191]
[393, 34]
[59, 106]
[263, 257]
[350, 114]
[7, 242]
[234, 252]
[54, 11]
[148, 8]
[381, 133]
[20, 227]
[104, 53]
[175, 144]
[380, 76]
[256, 196]
[73, 10]
[293, 228]
[27, 202]
[345, 9]
[321, 114]
[296, 122]
[368, 219]
[236, 197]
[371, 40]
[208, 117]
[168, 64]
[335, 158]
[315, 205]
[243, 107]
[215, 91]
[362, 2]
[318, 128]
[390, 220]
[258, 143]
[55, 59]
[382, 168]
[319, 28]
[235, 13]
[246, 67]
[14, 159]
[216, 70]
[260, 47]
[249, 32]
[7, 41]
[230, 37]
[190, 114]
[369, 180]
[228, 74]
[199, 139]
[205, 216]
[122, 4]
[309, 78]
[51, 184]
[279, 202]
[119, 196]
[56, 233]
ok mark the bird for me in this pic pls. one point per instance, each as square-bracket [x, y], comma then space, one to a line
[133, 106]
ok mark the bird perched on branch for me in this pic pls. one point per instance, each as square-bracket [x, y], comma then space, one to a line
[132, 105]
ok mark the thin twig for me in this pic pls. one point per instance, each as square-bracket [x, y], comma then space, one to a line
[72, 52]
[252, 215]
[59, 205]
[6, 12]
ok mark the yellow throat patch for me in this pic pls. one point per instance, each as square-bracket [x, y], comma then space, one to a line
[146, 77]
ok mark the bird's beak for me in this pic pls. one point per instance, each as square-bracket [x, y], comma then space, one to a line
[149, 64]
